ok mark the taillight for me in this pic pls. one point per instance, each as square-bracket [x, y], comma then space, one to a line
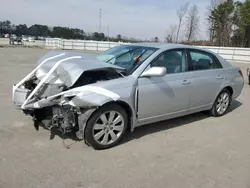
[241, 73]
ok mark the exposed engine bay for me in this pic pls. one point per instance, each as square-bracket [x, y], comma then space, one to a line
[88, 77]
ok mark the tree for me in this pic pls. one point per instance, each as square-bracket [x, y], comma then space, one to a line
[98, 36]
[181, 13]
[222, 19]
[12, 28]
[238, 33]
[102, 37]
[21, 29]
[245, 15]
[192, 23]
[245, 23]
[225, 18]
[119, 37]
[171, 34]
[38, 30]
[77, 33]
[5, 26]
[1, 28]
[237, 16]
[61, 32]
[213, 5]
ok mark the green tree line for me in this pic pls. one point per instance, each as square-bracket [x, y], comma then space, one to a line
[229, 23]
[6, 27]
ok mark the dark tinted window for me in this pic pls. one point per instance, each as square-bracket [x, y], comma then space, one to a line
[203, 61]
[174, 61]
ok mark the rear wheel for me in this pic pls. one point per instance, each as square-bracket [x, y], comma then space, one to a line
[221, 104]
[106, 127]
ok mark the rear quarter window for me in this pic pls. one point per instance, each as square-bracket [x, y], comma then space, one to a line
[200, 60]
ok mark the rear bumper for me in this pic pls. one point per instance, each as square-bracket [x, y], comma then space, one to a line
[237, 88]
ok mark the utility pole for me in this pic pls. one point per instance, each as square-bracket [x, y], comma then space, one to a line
[108, 34]
[100, 21]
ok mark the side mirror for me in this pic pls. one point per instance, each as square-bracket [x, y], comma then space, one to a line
[155, 72]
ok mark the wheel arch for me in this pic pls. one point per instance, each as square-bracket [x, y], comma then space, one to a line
[128, 110]
[86, 115]
[230, 89]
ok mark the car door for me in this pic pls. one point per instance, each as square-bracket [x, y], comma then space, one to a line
[162, 97]
[207, 78]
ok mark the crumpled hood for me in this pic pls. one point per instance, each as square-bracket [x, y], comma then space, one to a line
[69, 66]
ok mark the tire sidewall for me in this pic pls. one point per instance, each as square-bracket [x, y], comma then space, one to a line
[91, 121]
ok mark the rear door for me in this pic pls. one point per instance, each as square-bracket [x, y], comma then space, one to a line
[206, 78]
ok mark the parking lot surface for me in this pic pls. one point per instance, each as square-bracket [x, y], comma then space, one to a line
[193, 151]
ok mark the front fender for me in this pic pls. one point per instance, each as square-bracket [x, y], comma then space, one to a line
[94, 101]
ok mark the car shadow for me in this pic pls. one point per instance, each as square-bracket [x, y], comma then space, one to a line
[143, 130]
[172, 123]
[235, 104]
[56, 133]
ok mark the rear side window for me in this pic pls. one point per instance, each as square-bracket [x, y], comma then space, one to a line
[203, 61]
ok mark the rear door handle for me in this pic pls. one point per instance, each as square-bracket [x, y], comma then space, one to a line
[219, 77]
[185, 82]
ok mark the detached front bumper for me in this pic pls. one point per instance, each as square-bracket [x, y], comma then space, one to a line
[19, 95]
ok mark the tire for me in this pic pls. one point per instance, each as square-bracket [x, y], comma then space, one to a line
[101, 133]
[221, 104]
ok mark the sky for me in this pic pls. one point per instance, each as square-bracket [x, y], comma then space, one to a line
[142, 19]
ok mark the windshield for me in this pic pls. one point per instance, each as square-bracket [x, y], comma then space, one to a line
[128, 57]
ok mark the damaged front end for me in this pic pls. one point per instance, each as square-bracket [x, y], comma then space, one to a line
[59, 92]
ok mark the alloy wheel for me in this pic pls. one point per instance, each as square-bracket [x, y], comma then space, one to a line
[108, 127]
[222, 103]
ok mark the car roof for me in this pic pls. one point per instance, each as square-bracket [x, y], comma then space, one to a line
[158, 45]
[167, 46]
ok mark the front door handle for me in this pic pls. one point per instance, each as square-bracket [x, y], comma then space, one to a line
[185, 82]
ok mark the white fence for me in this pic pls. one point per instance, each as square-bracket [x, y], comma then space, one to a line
[228, 53]
[88, 45]
[241, 55]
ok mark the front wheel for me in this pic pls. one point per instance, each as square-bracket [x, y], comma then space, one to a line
[106, 127]
[221, 104]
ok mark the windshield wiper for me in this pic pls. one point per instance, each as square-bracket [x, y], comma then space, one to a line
[138, 58]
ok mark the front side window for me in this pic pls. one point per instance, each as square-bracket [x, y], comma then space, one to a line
[202, 61]
[174, 61]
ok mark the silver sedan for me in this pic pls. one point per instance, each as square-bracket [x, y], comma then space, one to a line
[100, 97]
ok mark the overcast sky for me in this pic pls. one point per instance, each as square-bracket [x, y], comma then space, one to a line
[133, 18]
